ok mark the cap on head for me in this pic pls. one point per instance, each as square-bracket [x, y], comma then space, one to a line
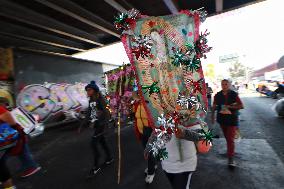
[92, 85]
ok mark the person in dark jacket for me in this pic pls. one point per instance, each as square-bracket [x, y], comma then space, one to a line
[97, 117]
[227, 103]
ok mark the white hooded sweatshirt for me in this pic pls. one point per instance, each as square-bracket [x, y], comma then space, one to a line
[182, 155]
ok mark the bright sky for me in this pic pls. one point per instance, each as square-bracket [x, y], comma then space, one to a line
[255, 32]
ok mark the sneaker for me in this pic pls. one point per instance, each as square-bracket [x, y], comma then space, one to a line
[146, 170]
[30, 172]
[94, 171]
[231, 162]
[109, 161]
[149, 178]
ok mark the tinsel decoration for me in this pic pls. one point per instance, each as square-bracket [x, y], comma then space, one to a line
[166, 124]
[201, 13]
[207, 135]
[197, 85]
[184, 102]
[141, 46]
[157, 142]
[162, 154]
[189, 49]
[176, 118]
[124, 20]
[194, 64]
[190, 57]
[152, 88]
[178, 58]
[160, 136]
[201, 46]
[188, 103]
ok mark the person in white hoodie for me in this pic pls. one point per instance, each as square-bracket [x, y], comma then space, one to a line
[182, 156]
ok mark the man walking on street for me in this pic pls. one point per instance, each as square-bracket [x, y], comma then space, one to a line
[227, 103]
[98, 117]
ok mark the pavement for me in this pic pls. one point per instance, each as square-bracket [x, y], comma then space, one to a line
[66, 157]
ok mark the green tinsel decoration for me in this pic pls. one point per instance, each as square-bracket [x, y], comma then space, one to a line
[178, 58]
[120, 21]
[120, 18]
[208, 136]
[193, 65]
[162, 154]
[190, 48]
[152, 88]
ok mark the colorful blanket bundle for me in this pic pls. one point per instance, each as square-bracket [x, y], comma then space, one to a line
[8, 136]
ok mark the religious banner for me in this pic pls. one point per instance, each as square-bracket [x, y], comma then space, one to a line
[165, 53]
[119, 86]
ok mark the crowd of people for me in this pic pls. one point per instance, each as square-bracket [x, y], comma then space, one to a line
[178, 167]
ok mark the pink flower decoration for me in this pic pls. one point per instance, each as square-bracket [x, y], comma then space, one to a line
[115, 77]
[128, 94]
[111, 78]
[190, 34]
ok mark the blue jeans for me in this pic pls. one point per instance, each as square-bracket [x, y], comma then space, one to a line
[27, 159]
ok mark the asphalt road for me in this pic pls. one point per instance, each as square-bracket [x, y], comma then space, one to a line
[66, 157]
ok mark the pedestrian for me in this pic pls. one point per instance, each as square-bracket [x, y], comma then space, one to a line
[22, 150]
[97, 117]
[143, 132]
[182, 157]
[238, 132]
[5, 176]
[227, 103]
[209, 96]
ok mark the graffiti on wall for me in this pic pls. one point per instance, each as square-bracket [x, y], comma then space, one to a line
[6, 64]
[52, 99]
[6, 92]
